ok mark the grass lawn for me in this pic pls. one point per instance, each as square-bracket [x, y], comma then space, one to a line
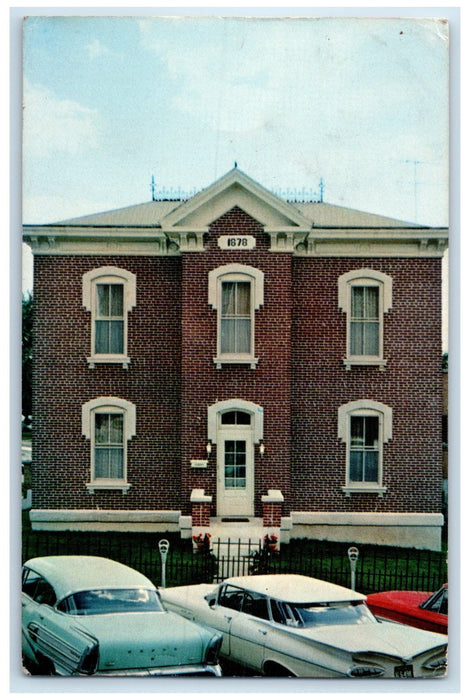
[378, 567]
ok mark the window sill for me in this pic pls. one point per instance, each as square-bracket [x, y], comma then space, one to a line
[364, 361]
[108, 486]
[108, 359]
[235, 360]
[362, 488]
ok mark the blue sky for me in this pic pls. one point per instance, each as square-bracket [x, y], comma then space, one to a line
[109, 101]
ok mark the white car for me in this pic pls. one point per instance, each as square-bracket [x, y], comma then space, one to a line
[290, 625]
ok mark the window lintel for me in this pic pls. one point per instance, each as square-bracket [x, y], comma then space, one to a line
[109, 404]
[364, 407]
[364, 277]
[236, 272]
[109, 275]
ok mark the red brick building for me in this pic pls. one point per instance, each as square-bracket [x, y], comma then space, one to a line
[238, 357]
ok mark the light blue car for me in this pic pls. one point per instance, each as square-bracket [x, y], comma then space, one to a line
[84, 615]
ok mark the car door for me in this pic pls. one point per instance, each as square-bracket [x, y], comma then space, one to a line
[249, 631]
[228, 608]
[50, 636]
[29, 611]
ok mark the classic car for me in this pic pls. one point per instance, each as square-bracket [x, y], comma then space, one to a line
[427, 611]
[84, 615]
[291, 625]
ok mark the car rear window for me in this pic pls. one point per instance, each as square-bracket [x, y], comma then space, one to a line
[105, 600]
[332, 614]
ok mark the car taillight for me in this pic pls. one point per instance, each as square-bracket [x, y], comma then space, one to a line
[438, 665]
[90, 661]
[366, 671]
[212, 654]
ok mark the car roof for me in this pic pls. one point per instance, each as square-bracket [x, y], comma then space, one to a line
[69, 573]
[294, 588]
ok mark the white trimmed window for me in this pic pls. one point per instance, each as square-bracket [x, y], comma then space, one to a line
[108, 423]
[364, 426]
[236, 292]
[365, 296]
[109, 293]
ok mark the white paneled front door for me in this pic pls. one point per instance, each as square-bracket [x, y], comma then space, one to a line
[235, 478]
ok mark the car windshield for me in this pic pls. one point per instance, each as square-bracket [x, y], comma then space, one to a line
[437, 602]
[313, 615]
[112, 600]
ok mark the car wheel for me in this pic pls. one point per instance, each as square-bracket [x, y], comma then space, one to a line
[45, 667]
[273, 669]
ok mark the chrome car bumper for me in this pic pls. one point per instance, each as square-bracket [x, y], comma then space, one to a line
[196, 670]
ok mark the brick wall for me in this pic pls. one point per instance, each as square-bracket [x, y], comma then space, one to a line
[268, 385]
[63, 382]
[410, 385]
[172, 379]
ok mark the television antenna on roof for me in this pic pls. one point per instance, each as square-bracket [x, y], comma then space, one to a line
[415, 164]
[152, 188]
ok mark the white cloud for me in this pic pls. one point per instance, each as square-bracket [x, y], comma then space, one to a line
[52, 125]
[96, 49]
[334, 76]
[224, 80]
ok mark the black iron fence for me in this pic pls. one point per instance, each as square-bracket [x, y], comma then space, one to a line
[377, 568]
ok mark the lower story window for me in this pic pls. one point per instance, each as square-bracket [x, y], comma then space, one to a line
[108, 423]
[364, 426]
[109, 446]
[364, 451]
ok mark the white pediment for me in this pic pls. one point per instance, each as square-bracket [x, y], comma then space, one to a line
[235, 189]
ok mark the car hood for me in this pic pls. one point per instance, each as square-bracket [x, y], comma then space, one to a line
[402, 599]
[146, 640]
[386, 638]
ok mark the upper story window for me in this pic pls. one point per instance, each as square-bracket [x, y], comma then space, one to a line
[236, 318]
[365, 296]
[236, 292]
[108, 422]
[365, 323]
[109, 293]
[364, 426]
[109, 319]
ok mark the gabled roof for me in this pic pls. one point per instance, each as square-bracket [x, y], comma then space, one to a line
[171, 227]
[235, 189]
[146, 214]
[324, 215]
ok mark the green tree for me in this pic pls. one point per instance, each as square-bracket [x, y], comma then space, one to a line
[445, 362]
[27, 356]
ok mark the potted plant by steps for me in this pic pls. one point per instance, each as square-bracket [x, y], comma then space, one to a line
[270, 542]
[262, 560]
[203, 543]
[205, 568]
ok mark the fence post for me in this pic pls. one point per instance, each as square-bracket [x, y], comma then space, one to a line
[353, 554]
[163, 547]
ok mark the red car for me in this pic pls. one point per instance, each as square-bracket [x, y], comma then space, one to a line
[428, 611]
